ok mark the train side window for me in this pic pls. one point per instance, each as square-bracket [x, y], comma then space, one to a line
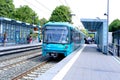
[73, 35]
[71, 39]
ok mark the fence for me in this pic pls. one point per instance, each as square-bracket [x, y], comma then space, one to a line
[114, 49]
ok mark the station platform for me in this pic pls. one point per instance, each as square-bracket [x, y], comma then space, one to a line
[87, 63]
[18, 46]
[5, 50]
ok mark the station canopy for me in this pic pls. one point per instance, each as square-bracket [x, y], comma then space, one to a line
[100, 28]
[92, 24]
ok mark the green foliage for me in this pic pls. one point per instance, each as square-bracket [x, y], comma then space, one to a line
[85, 32]
[91, 35]
[23, 13]
[43, 21]
[34, 35]
[115, 25]
[7, 8]
[26, 14]
[31, 31]
[61, 14]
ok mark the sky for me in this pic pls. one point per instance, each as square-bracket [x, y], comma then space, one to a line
[81, 8]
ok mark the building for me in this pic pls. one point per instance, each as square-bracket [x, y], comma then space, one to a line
[16, 31]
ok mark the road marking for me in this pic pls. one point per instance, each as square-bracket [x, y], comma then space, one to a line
[60, 75]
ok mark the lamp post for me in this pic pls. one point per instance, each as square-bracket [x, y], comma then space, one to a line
[107, 14]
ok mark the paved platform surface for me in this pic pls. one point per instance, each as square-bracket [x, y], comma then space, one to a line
[89, 65]
[93, 65]
[18, 46]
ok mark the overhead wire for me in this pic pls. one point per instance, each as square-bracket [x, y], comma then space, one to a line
[76, 16]
[35, 6]
[46, 7]
[69, 7]
[43, 5]
[66, 2]
[61, 2]
[31, 4]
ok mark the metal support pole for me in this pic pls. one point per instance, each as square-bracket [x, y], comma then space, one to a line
[107, 14]
[107, 23]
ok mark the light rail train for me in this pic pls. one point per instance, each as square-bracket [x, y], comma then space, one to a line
[60, 38]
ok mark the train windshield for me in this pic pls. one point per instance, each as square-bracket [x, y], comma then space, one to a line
[56, 34]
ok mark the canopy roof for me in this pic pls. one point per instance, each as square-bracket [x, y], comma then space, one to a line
[92, 24]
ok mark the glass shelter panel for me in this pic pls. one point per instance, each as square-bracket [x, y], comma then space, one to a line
[12, 34]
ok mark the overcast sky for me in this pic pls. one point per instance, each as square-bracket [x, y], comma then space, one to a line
[81, 8]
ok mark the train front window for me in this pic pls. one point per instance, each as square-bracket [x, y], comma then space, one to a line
[56, 34]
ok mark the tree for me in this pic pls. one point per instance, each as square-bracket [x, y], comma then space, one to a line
[61, 14]
[7, 8]
[85, 32]
[26, 14]
[115, 25]
[23, 13]
[43, 21]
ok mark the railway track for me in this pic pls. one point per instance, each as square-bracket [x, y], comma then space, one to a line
[27, 64]
[12, 61]
[24, 65]
[17, 62]
[8, 61]
[36, 71]
[16, 57]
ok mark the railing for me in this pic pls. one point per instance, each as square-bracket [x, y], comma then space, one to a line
[114, 49]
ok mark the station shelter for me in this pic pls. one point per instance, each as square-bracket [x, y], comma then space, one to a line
[16, 31]
[100, 28]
